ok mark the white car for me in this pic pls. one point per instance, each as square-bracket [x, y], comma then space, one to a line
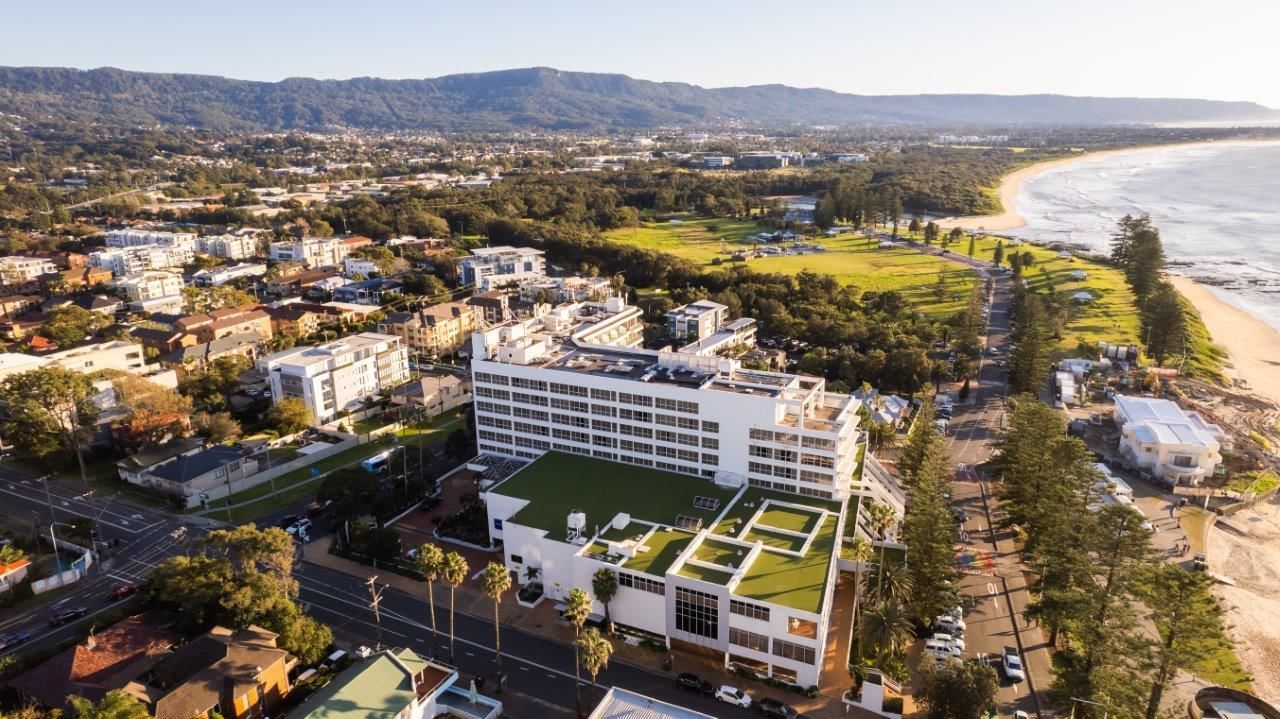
[949, 639]
[950, 624]
[941, 650]
[302, 526]
[733, 695]
[1011, 663]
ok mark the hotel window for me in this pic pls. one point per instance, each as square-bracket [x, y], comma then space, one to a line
[813, 460]
[794, 652]
[570, 420]
[665, 420]
[817, 443]
[785, 472]
[570, 405]
[688, 440]
[526, 413]
[639, 400]
[529, 399]
[634, 431]
[641, 583]
[756, 450]
[493, 393]
[685, 455]
[611, 456]
[785, 455]
[604, 410]
[763, 435]
[532, 443]
[749, 610]
[697, 613]
[568, 389]
[600, 440]
[759, 468]
[785, 438]
[802, 627]
[750, 640]
[627, 445]
[710, 443]
[665, 435]
[603, 426]
[664, 403]
[603, 394]
[493, 422]
[635, 415]
[711, 427]
[582, 437]
[539, 429]
[808, 475]
[533, 384]
[711, 459]
[667, 452]
[492, 407]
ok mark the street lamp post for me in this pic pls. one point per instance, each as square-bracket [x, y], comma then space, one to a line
[1105, 710]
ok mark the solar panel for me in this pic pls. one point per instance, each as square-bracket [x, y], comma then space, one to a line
[691, 524]
[710, 503]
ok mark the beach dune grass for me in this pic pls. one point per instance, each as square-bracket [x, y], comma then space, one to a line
[851, 258]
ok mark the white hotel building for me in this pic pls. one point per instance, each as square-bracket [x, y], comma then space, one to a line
[149, 238]
[138, 259]
[339, 375]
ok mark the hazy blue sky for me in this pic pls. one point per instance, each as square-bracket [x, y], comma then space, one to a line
[1220, 49]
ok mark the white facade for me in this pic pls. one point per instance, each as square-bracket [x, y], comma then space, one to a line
[168, 305]
[339, 375]
[223, 275]
[150, 285]
[717, 161]
[566, 289]
[353, 266]
[133, 260]
[1160, 437]
[231, 246]
[118, 355]
[150, 238]
[490, 267]
[16, 270]
[310, 251]
[595, 393]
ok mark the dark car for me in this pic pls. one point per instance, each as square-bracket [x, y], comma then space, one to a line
[120, 591]
[13, 639]
[67, 615]
[777, 710]
[693, 683]
[287, 520]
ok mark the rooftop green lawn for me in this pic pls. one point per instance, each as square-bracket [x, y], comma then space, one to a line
[727, 555]
[693, 571]
[797, 582]
[789, 518]
[631, 531]
[735, 517]
[663, 547]
[556, 483]
[777, 541]
[852, 259]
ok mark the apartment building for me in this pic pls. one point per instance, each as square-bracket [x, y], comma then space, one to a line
[227, 322]
[490, 267]
[237, 246]
[134, 260]
[1160, 437]
[20, 270]
[149, 285]
[310, 252]
[150, 238]
[116, 354]
[576, 381]
[565, 289]
[742, 572]
[435, 330]
[696, 320]
[340, 375]
[222, 275]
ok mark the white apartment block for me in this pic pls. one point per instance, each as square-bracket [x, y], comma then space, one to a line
[223, 275]
[17, 270]
[566, 289]
[695, 320]
[117, 354]
[230, 246]
[1160, 437]
[490, 267]
[353, 266]
[576, 381]
[150, 238]
[339, 375]
[149, 285]
[134, 260]
[311, 252]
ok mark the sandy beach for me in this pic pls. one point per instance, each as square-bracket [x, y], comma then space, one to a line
[1254, 346]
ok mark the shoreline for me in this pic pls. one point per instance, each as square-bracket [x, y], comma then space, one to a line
[1253, 346]
[1011, 184]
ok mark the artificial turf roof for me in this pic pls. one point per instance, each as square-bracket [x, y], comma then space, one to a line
[557, 483]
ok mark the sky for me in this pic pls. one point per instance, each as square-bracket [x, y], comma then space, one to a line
[1223, 49]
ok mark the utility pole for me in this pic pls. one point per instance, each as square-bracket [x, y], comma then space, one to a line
[375, 601]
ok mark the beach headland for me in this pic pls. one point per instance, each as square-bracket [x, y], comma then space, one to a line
[1253, 345]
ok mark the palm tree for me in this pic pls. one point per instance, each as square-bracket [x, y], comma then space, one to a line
[859, 551]
[595, 651]
[496, 580]
[430, 561]
[885, 628]
[893, 582]
[454, 572]
[604, 584]
[882, 518]
[577, 609]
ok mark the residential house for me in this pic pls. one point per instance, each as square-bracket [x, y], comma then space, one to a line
[1160, 437]
[226, 322]
[368, 292]
[77, 277]
[354, 266]
[337, 376]
[437, 393]
[150, 285]
[14, 305]
[205, 473]
[197, 358]
[618, 703]
[107, 660]
[294, 319]
[303, 281]
[490, 267]
[435, 330]
[161, 342]
[13, 573]
[392, 683]
[159, 305]
[114, 354]
[222, 275]
[239, 675]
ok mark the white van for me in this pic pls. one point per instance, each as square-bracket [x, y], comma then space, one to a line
[941, 650]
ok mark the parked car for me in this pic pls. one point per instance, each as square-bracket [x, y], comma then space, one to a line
[120, 591]
[317, 508]
[993, 351]
[960, 515]
[940, 650]
[950, 624]
[691, 682]
[1011, 663]
[733, 695]
[300, 526]
[777, 710]
[1200, 563]
[949, 639]
[287, 520]
[67, 615]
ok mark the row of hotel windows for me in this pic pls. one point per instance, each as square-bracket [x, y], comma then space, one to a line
[698, 613]
[781, 648]
[662, 435]
[805, 475]
[790, 455]
[639, 400]
[797, 489]
[642, 583]
[764, 435]
[602, 410]
[543, 446]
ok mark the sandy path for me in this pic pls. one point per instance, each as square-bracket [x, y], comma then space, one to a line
[1253, 609]
[1254, 345]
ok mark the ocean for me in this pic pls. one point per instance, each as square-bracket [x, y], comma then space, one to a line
[1217, 207]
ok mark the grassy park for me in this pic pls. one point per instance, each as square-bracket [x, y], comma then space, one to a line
[851, 259]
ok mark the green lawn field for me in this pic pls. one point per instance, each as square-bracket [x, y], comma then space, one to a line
[851, 259]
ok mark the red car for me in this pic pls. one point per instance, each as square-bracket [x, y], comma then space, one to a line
[120, 591]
